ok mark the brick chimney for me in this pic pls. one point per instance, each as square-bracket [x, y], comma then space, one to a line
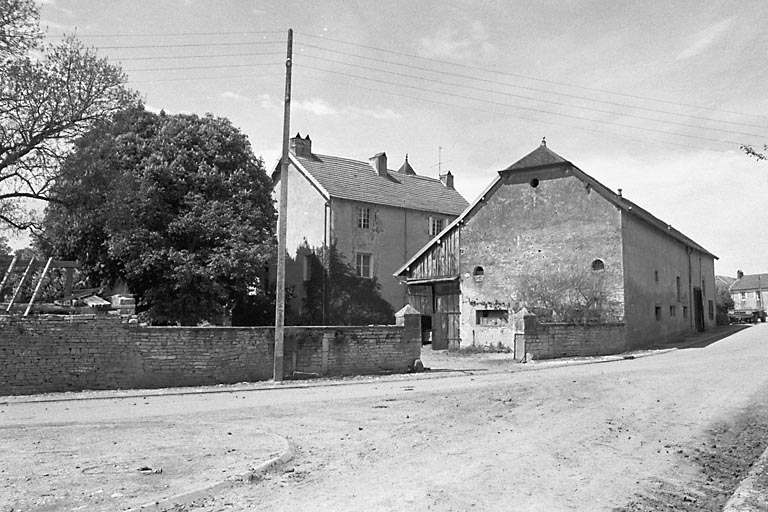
[379, 163]
[739, 274]
[447, 180]
[301, 147]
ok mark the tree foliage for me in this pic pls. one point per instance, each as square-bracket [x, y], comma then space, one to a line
[756, 153]
[569, 293]
[177, 206]
[335, 295]
[48, 97]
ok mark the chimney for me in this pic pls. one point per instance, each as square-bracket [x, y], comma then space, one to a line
[301, 147]
[739, 274]
[447, 180]
[379, 163]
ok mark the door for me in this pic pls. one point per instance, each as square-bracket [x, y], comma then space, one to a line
[698, 309]
[447, 317]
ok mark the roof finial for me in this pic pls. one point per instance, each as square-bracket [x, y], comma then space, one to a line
[544, 142]
[406, 157]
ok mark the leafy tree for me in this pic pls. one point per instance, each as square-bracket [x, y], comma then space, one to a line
[5, 249]
[570, 293]
[177, 206]
[756, 153]
[49, 95]
[336, 296]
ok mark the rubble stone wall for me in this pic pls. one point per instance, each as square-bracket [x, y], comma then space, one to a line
[54, 353]
[550, 341]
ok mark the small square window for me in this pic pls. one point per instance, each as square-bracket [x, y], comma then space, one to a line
[658, 313]
[363, 265]
[363, 217]
[436, 225]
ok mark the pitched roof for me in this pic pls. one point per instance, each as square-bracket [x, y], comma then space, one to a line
[750, 282]
[543, 157]
[539, 157]
[357, 181]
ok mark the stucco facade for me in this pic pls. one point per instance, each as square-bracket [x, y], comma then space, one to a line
[327, 197]
[544, 217]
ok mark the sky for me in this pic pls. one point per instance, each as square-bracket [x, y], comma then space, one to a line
[654, 98]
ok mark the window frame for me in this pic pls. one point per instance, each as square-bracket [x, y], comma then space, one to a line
[360, 258]
[433, 222]
[363, 217]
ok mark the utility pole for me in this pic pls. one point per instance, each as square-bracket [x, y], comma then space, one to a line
[281, 220]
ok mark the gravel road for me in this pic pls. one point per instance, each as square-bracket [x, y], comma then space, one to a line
[676, 431]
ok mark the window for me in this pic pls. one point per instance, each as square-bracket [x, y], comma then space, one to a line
[672, 311]
[703, 287]
[435, 225]
[658, 313]
[363, 217]
[677, 284]
[656, 275]
[685, 312]
[307, 267]
[534, 182]
[711, 310]
[598, 265]
[743, 298]
[478, 274]
[492, 317]
[363, 265]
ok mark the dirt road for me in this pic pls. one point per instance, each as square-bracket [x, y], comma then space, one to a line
[641, 434]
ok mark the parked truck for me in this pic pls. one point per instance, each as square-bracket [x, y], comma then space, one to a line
[750, 316]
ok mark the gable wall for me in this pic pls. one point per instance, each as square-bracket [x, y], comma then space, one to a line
[305, 229]
[520, 229]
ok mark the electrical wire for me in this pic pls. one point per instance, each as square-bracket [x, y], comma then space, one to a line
[552, 102]
[491, 102]
[515, 75]
[506, 84]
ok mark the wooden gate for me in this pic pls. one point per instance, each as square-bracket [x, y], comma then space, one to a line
[447, 317]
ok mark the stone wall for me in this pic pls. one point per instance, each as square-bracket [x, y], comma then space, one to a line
[52, 353]
[550, 341]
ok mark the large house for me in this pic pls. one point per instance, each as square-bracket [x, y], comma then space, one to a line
[748, 294]
[545, 226]
[376, 218]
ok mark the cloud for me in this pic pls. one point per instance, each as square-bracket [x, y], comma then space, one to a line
[375, 113]
[317, 106]
[706, 38]
[458, 42]
[231, 95]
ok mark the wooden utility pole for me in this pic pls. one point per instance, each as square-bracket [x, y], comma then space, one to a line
[281, 220]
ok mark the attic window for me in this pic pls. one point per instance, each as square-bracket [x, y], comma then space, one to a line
[534, 182]
[598, 265]
[478, 274]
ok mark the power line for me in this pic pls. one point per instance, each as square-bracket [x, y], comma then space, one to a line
[198, 78]
[506, 84]
[247, 54]
[183, 45]
[178, 34]
[685, 125]
[206, 67]
[507, 115]
[709, 139]
[554, 82]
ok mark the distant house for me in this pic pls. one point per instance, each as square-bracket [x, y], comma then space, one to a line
[748, 292]
[544, 231]
[376, 218]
